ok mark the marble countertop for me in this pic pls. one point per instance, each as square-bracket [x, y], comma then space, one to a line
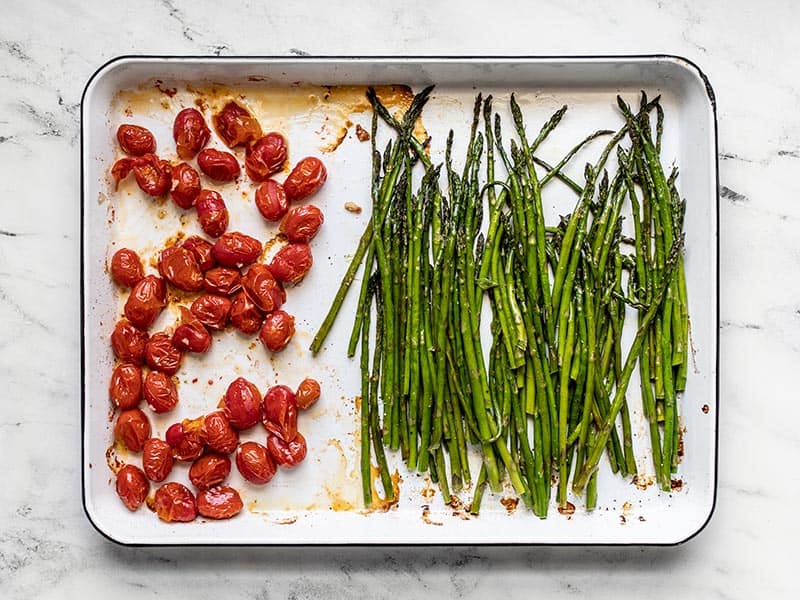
[48, 50]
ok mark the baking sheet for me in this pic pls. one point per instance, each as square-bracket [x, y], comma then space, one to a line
[319, 502]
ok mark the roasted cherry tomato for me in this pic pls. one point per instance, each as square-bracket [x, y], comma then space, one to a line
[174, 502]
[126, 268]
[245, 315]
[302, 223]
[209, 470]
[277, 330]
[236, 126]
[145, 302]
[190, 132]
[191, 335]
[162, 355]
[157, 459]
[291, 263]
[125, 389]
[262, 288]
[136, 140]
[287, 454]
[271, 200]
[160, 392]
[234, 249]
[132, 486]
[132, 429]
[212, 310]
[254, 463]
[153, 175]
[185, 186]
[220, 502]
[280, 412]
[265, 157]
[223, 281]
[129, 342]
[202, 251]
[187, 438]
[220, 436]
[121, 170]
[218, 165]
[179, 266]
[242, 404]
[307, 393]
[305, 179]
[211, 212]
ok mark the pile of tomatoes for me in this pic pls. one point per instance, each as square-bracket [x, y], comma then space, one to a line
[234, 288]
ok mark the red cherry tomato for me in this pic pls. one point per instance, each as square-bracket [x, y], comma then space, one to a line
[234, 249]
[129, 342]
[132, 486]
[187, 439]
[175, 503]
[218, 165]
[153, 175]
[223, 281]
[185, 186]
[126, 268]
[277, 330]
[145, 302]
[291, 263]
[280, 412]
[262, 289]
[307, 177]
[236, 126]
[201, 249]
[211, 212]
[191, 335]
[266, 156]
[135, 140]
[125, 388]
[220, 436]
[242, 404]
[157, 459]
[307, 394]
[302, 223]
[179, 266]
[220, 502]
[209, 470]
[245, 315]
[254, 463]
[271, 200]
[161, 354]
[121, 169]
[132, 429]
[190, 132]
[160, 392]
[287, 454]
[212, 311]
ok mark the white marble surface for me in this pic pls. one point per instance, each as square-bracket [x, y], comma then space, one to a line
[750, 51]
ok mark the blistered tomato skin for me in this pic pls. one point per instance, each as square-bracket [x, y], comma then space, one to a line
[271, 200]
[126, 268]
[146, 301]
[223, 281]
[236, 126]
[235, 250]
[209, 470]
[220, 436]
[153, 175]
[262, 289]
[307, 177]
[266, 156]
[277, 330]
[191, 335]
[129, 342]
[301, 224]
[280, 412]
[307, 394]
[132, 429]
[211, 212]
[157, 459]
[175, 503]
[121, 169]
[212, 310]
[132, 486]
[287, 454]
[179, 266]
[160, 392]
[291, 263]
[220, 502]
[125, 388]
[187, 438]
[245, 315]
[162, 355]
[218, 165]
[255, 463]
[135, 140]
[185, 186]
[190, 133]
[202, 251]
[242, 404]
